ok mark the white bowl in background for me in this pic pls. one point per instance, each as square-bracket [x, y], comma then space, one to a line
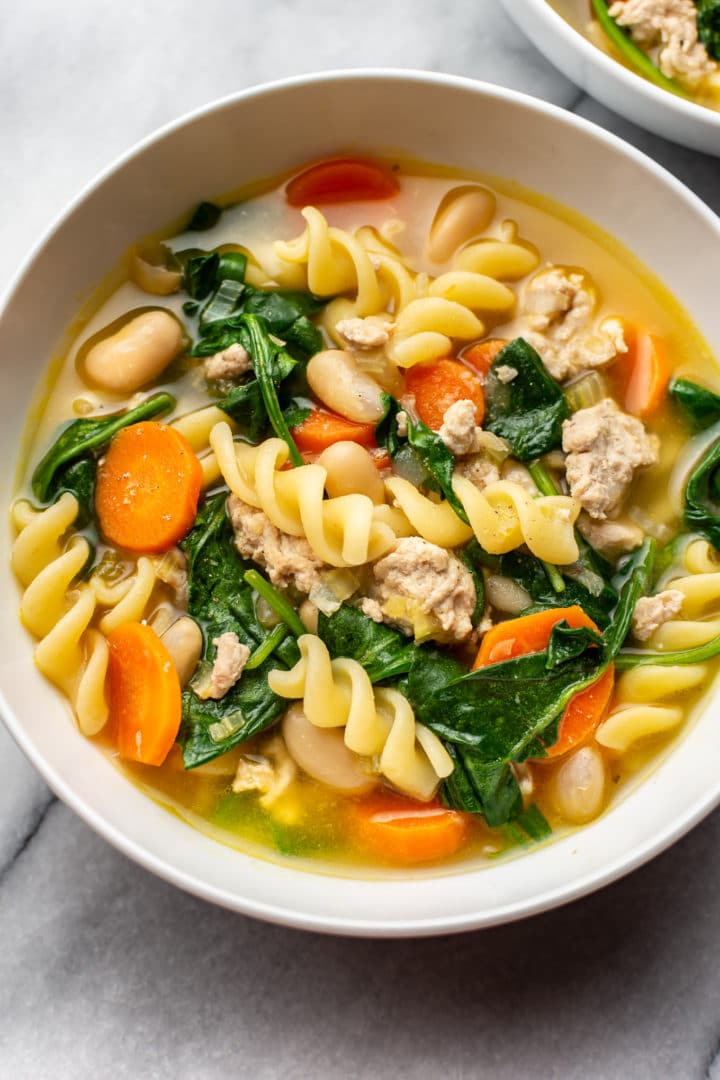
[611, 83]
[222, 147]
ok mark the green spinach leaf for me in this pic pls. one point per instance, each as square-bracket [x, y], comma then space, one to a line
[702, 496]
[221, 601]
[708, 24]
[528, 411]
[87, 439]
[383, 652]
[699, 406]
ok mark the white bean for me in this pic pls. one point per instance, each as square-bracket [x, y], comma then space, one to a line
[184, 641]
[465, 212]
[578, 787]
[136, 354]
[351, 469]
[336, 379]
[506, 595]
[322, 754]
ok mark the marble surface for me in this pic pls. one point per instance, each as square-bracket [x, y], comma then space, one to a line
[107, 971]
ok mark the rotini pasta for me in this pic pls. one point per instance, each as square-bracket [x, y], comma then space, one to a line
[345, 531]
[377, 722]
[502, 517]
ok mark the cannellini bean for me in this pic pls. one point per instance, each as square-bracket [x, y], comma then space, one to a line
[322, 754]
[136, 354]
[184, 641]
[351, 469]
[465, 212]
[578, 787]
[336, 379]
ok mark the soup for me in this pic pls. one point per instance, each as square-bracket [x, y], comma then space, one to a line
[674, 44]
[371, 519]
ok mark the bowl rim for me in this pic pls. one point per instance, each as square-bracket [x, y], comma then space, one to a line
[594, 878]
[629, 79]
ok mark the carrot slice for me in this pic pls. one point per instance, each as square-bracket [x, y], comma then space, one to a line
[648, 375]
[148, 488]
[531, 633]
[144, 694]
[322, 428]
[438, 385]
[481, 355]
[341, 180]
[402, 831]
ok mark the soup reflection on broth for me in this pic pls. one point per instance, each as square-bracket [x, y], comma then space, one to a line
[372, 518]
[674, 44]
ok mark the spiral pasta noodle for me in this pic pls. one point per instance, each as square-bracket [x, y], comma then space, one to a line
[377, 721]
[196, 427]
[69, 653]
[343, 531]
[502, 517]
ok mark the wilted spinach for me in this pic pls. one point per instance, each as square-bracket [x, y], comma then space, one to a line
[708, 24]
[529, 410]
[383, 652]
[702, 496]
[699, 406]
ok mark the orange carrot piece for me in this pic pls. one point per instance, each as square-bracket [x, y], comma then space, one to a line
[147, 488]
[341, 180]
[531, 633]
[481, 355]
[439, 384]
[144, 694]
[403, 831]
[322, 428]
[646, 374]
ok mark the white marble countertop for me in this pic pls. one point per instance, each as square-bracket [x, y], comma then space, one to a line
[106, 971]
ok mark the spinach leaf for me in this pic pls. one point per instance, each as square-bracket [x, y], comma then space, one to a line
[708, 24]
[700, 406]
[476, 788]
[383, 652]
[632, 52]
[471, 556]
[702, 496]
[285, 312]
[632, 581]
[568, 643]
[264, 353]
[433, 456]
[632, 658]
[221, 601]
[205, 216]
[528, 411]
[245, 405]
[87, 439]
[79, 479]
[200, 271]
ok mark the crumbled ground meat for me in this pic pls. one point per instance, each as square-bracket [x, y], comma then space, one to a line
[505, 373]
[230, 660]
[363, 333]
[430, 577]
[228, 364]
[402, 420]
[270, 772]
[610, 538]
[671, 27]
[558, 307]
[479, 470]
[289, 560]
[604, 446]
[459, 427]
[652, 611]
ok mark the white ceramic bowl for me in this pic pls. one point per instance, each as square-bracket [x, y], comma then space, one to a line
[613, 84]
[431, 117]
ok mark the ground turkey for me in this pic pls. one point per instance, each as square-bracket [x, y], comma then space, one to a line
[604, 447]
[230, 659]
[289, 560]
[652, 611]
[558, 307]
[228, 364]
[670, 25]
[432, 577]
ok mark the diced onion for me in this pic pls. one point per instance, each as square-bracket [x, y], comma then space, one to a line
[590, 389]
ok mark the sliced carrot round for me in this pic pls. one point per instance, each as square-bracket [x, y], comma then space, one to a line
[481, 355]
[323, 428]
[341, 180]
[148, 488]
[144, 694]
[531, 633]
[402, 831]
[438, 385]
